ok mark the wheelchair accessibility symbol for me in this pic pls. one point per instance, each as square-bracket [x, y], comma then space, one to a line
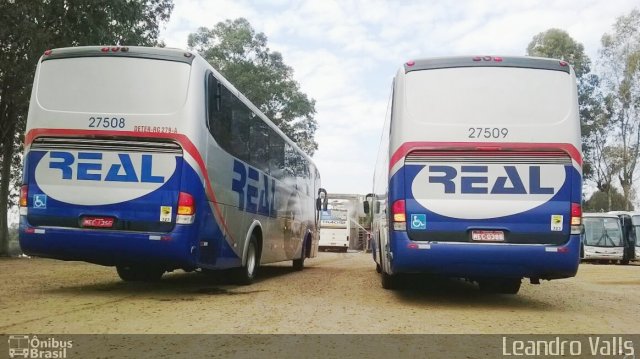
[418, 221]
[40, 201]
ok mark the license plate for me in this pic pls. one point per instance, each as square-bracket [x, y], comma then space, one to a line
[97, 222]
[487, 236]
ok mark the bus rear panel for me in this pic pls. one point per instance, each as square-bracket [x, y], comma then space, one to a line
[484, 170]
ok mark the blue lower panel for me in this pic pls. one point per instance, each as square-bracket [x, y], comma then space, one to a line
[111, 247]
[475, 260]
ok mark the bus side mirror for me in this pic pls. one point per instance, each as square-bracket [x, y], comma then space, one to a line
[322, 201]
[365, 204]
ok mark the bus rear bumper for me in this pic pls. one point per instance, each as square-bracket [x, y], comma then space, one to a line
[485, 260]
[170, 250]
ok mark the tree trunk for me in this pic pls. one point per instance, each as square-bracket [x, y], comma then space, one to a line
[5, 175]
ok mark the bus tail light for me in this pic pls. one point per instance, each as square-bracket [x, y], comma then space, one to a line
[399, 216]
[186, 208]
[24, 196]
[576, 218]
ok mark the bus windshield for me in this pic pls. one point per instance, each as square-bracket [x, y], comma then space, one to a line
[499, 95]
[602, 232]
[113, 85]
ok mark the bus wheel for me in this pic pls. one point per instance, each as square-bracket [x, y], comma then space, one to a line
[624, 262]
[298, 264]
[389, 281]
[501, 286]
[139, 274]
[378, 268]
[246, 274]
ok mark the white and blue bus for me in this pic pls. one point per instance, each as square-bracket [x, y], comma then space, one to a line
[147, 159]
[479, 172]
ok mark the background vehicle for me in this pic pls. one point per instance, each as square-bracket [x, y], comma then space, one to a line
[474, 178]
[147, 159]
[335, 227]
[603, 237]
[635, 220]
[628, 235]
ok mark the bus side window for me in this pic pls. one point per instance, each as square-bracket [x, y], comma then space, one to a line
[259, 144]
[219, 112]
[276, 154]
[240, 123]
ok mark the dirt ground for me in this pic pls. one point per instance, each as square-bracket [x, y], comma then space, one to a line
[336, 293]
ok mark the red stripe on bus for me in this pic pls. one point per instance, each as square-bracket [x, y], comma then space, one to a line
[407, 147]
[184, 141]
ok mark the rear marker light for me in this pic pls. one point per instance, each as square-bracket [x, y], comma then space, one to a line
[104, 49]
[411, 63]
[187, 54]
[477, 58]
[47, 53]
[497, 59]
[29, 230]
[563, 63]
[115, 49]
[487, 58]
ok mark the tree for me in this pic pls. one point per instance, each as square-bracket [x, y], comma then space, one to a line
[241, 55]
[558, 44]
[605, 202]
[620, 59]
[31, 26]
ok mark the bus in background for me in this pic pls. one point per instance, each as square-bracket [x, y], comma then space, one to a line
[628, 235]
[479, 172]
[335, 227]
[635, 220]
[603, 238]
[148, 160]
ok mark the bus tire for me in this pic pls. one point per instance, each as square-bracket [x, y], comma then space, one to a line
[139, 274]
[246, 274]
[500, 286]
[378, 268]
[624, 262]
[389, 281]
[298, 264]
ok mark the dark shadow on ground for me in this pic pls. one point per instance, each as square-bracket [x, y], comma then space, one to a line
[209, 283]
[429, 291]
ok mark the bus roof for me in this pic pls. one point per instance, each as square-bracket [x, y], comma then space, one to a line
[600, 215]
[487, 61]
[156, 53]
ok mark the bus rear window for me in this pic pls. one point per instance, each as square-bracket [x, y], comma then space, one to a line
[112, 85]
[488, 96]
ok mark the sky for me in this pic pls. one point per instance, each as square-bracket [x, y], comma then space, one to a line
[345, 53]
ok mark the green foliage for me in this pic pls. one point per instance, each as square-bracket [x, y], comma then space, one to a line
[612, 200]
[556, 43]
[620, 58]
[242, 56]
[31, 26]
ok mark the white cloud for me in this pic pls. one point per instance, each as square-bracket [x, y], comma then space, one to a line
[345, 52]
